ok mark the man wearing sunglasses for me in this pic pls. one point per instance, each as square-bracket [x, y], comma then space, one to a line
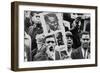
[83, 52]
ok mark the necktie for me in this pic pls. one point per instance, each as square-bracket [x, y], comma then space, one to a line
[85, 54]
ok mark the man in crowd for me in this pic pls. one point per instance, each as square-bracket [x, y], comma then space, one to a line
[48, 52]
[66, 52]
[34, 30]
[69, 38]
[83, 52]
[75, 31]
[27, 23]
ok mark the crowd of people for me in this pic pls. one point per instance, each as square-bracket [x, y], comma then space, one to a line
[56, 36]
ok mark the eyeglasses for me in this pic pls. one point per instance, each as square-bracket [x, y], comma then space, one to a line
[50, 42]
[86, 39]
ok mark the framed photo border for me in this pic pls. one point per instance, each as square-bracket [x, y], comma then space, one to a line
[15, 34]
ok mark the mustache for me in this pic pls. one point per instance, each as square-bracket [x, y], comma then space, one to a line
[69, 42]
[85, 43]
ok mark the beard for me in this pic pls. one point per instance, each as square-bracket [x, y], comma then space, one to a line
[85, 45]
[69, 46]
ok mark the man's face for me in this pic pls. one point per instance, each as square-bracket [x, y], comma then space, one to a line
[27, 14]
[50, 43]
[52, 23]
[69, 41]
[85, 40]
[36, 18]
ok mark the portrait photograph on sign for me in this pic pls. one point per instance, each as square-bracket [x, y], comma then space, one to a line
[54, 37]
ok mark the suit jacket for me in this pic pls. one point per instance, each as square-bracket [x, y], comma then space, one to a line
[41, 56]
[77, 54]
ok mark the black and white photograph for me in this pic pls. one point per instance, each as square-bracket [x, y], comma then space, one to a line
[75, 35]
[59, 38]
[54, 36]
